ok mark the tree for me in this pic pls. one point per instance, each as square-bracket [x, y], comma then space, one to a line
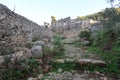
[113, 4]
[53, 18]
[81, 18]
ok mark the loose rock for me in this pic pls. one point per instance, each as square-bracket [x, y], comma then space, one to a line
[37, 51]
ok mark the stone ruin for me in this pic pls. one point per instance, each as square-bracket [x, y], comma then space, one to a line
[68, 24]
[16, 30]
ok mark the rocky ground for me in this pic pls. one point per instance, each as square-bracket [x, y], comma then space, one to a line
[72, 53]
[79, 55]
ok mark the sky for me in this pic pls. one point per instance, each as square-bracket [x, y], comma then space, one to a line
[40, 11]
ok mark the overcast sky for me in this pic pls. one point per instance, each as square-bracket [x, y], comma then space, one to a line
[42, 10]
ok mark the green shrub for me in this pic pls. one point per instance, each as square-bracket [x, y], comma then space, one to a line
[85, 35]
[111, 58]
[5, 50]
[19, 70]
[36, 38]
[105, 39]
[58, 45]
[107, 43]
[66, 66]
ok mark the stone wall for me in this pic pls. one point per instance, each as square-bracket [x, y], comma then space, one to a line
[16, 30]
[62, 25]
[68, 24]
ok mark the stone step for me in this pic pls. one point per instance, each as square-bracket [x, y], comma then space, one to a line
[63, 60]
[92, 61]
[82, 63]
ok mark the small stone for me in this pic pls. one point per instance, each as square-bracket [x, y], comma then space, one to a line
[77, 77]
[85, 42]
[60, 70]
[3, 42]
[27, 53]
[30, 78]
[102, 74]
[17, 55]
[35, 79]
[67, 75]
[96, 72]
[103, 78]
[40, 76]
[47, 69]
[69, 60]
[60, 61]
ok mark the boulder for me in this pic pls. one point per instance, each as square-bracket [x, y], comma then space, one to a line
[37, 51]
[42, 43]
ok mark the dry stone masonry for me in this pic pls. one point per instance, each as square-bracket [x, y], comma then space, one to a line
[68, 24]
[16, 30]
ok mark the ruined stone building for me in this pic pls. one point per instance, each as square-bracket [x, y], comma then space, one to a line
[69, 24]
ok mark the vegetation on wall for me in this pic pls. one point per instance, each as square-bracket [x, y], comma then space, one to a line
[107, 41]
[102, 15]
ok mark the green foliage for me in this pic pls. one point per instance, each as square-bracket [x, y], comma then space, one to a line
[111, 59]
[114, 3]
[107, 41]
[20, 69]
[29, 45]
[81, 18]
[36, 38]
[53, 18]
[66, 66]
[85, 35]
[6, 50]
[47, 50]
[102, 15]
[32, 63]
[58, 45]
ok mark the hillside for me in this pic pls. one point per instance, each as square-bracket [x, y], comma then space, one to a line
[102, 15]
[69, 49]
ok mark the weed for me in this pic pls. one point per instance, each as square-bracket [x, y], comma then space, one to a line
[66, 66]
[58, 45]
[36, 38]
[19, 69]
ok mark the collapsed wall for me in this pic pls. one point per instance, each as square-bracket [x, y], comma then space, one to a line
[16, 30]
